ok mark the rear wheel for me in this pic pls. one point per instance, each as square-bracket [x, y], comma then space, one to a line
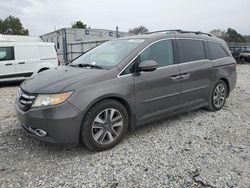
[218, 96]
[104, 125]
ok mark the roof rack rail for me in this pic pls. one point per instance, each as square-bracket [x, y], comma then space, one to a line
[197, 33]
[163, 31]
[181, 31]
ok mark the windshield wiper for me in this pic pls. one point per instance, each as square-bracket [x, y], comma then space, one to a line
[87, 65]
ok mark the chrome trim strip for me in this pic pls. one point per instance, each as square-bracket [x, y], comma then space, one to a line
[25, 102]
[190, 90]
[27, 96]
[220, 58]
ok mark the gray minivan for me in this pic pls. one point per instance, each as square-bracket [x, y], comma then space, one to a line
[125, 83]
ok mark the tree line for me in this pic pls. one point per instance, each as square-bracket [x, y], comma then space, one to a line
[13, 26]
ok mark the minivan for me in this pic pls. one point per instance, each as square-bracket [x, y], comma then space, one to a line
[20, 60]
[125, 83]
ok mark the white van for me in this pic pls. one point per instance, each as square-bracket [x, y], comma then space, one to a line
[20, 60]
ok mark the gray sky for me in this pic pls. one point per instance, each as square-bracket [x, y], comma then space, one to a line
[41, 16]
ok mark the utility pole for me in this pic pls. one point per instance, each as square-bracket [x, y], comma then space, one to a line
[117, 30]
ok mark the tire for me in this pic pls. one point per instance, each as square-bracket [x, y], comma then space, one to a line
[242, 60]
[104, 125]
[220, 90]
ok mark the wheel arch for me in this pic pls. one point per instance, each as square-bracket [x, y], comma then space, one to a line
[227, 84]
[41, 66]
[43, 69]
[119, 99]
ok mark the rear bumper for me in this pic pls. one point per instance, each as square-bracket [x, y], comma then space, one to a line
[61, 123]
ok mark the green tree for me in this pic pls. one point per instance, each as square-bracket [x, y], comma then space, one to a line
[79, 24]
[219, 33]
[1, 26]
[12, 26]
[233, 36]
[138, 30]
[247, 38]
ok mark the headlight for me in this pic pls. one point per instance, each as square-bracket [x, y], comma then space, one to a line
[51, 99]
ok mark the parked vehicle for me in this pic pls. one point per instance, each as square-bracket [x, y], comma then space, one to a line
[241, 54]
[244, 56]
[235, 52]
[126, 83]
[20, 60]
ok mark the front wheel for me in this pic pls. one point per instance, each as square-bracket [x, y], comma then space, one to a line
[242, 60]
[104, 125]
[218, 96]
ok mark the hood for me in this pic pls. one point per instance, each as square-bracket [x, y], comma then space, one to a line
[55, 80]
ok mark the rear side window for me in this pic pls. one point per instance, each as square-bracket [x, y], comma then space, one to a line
[216, 51]
[190, 50]
[46, 52]
[6, 53]
[161, 52]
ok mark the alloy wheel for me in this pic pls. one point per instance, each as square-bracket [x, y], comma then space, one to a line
[219, 96]
[107, 126]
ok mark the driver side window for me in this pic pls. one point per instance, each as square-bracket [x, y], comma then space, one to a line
[161, 52]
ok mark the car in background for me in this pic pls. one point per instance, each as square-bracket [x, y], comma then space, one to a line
[244, 56]
[235, 52]
[20, 60]
[240, 54]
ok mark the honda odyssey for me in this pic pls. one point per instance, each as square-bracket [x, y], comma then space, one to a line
[126, 83]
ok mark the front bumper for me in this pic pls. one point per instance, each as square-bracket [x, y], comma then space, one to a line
[61, 123]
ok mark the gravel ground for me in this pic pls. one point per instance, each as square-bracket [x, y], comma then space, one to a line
[196, 149]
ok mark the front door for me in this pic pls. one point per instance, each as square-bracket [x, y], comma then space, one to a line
[157, 92]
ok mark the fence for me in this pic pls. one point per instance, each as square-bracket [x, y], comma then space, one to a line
[78, 48]
[238, 44]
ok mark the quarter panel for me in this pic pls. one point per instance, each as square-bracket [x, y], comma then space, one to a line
[225, 68]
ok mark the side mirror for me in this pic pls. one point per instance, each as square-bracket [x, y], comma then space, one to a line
[148, 66]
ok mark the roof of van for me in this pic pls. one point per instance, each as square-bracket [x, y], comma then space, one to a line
[19, 38]
[26, 44]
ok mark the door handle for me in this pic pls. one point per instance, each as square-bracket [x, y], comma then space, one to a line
[8, 64]
[185, 76]
[175, 77]
[21, 63]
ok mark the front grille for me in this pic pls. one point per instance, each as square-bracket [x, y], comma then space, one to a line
[25, 99]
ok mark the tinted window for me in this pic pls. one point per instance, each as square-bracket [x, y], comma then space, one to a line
[161, 52]
[190, 50]
[6, 53]
[129, 69]
[216, 51]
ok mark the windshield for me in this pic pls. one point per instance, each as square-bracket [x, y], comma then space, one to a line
[108, 54]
